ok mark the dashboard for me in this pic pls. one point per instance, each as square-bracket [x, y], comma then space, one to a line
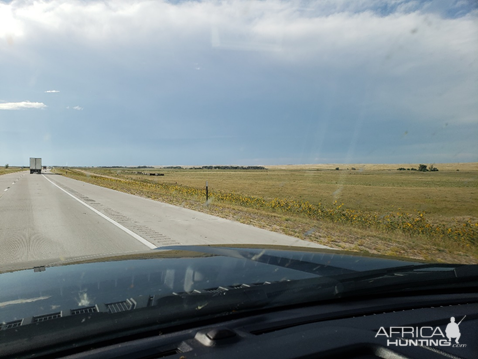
[343, 328]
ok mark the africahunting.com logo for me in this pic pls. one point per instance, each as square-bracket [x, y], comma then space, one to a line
[423, 336]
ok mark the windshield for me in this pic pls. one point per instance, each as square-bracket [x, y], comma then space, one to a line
[132, 127]
[347, 125]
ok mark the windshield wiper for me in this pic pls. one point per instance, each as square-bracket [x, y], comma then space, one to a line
[414, 278]
[266, 258]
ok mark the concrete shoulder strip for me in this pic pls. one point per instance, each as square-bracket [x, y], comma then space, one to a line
[123, 228]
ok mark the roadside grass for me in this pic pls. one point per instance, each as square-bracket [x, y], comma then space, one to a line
[4, 171]
[412, 233]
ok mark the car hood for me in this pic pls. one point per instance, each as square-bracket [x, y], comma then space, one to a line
[121, 282]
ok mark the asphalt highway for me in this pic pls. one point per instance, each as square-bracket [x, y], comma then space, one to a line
[49, 216]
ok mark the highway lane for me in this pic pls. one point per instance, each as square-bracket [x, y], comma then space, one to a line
[51, 216]
[9, 180]
[38, 221]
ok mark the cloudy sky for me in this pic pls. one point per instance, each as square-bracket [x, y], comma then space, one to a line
[140, 82]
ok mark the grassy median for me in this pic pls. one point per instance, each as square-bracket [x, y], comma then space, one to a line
[6, 170]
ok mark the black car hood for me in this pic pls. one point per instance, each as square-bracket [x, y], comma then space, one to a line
[63, 287]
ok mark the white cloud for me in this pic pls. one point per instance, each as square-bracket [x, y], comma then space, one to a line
[406, 52]
[408, 64]
[20, 105]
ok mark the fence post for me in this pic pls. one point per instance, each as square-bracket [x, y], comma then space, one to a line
[207, 192]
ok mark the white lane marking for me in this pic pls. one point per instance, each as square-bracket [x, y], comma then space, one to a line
[123, 228]
[5, 190]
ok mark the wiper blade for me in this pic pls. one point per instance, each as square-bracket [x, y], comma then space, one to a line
[266, 258]
[414, 278]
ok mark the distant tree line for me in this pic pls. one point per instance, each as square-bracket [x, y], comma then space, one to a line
[231, 167]
[421, 168]
[149, 173]
[217, 167]
[124, 167]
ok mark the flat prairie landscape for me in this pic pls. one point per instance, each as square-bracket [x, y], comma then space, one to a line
[364, 207]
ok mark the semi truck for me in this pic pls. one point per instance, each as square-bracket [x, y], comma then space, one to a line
[35, 165]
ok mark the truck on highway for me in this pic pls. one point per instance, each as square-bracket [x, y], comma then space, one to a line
[35, 165]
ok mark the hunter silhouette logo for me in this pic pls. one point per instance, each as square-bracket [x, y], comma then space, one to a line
[423, 336]
[453, 330]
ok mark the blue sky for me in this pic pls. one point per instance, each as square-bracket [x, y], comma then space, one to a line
[238, 82]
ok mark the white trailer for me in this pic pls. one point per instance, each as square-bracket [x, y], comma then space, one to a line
[35, 165]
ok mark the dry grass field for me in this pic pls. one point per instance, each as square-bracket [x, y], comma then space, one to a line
[373, 208]
[442, 195]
